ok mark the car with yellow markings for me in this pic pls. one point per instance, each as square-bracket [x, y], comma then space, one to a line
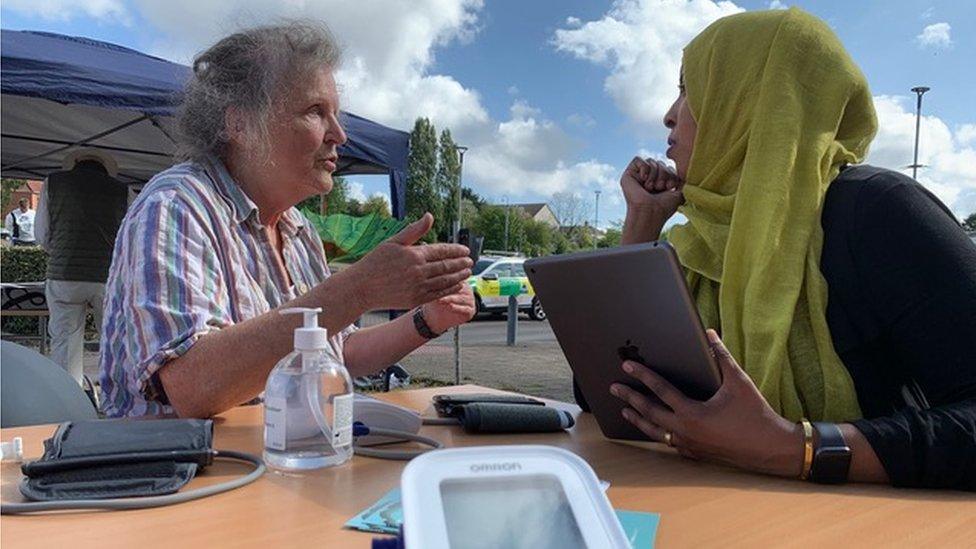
[495, 278]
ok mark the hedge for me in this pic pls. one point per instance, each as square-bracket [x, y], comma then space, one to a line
[23, 264]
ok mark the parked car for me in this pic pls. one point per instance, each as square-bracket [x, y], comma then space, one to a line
[493, 274]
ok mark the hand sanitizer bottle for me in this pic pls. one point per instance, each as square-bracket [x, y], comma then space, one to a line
[308, 403]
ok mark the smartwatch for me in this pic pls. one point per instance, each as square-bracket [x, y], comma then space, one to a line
[420, 323]
[831, 457]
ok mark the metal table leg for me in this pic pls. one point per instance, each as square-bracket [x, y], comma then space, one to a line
[42, 328]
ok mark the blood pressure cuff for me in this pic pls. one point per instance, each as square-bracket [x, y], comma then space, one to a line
[102, 459]
[490, 417]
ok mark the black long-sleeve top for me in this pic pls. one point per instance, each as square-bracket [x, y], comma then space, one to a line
[901, 280]
[901, 308]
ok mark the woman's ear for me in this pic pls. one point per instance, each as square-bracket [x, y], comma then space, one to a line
[235, 126]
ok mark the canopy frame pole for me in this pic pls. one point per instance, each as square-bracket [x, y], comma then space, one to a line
[76, 144]
[63, 142]
[155, 122]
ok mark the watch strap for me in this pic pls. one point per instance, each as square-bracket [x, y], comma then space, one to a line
[420, 323]
[832, 456]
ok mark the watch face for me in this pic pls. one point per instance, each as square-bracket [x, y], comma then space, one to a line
[831, 465]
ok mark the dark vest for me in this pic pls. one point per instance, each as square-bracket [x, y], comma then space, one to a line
[86, 207]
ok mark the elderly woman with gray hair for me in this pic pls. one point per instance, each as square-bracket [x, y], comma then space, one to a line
[214, 247]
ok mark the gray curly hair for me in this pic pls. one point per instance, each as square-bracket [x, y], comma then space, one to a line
[248, 70]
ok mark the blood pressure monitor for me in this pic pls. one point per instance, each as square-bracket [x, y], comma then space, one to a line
[506, 496]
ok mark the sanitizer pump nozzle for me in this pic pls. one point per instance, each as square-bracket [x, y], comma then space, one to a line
[310, 337]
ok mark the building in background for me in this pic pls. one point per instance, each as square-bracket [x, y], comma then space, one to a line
[537, 211]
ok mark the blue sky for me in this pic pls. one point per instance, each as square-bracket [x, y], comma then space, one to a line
[557, 96]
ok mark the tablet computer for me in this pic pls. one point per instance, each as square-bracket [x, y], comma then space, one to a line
[629, 302]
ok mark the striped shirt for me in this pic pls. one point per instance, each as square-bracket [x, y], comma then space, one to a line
[191, 258]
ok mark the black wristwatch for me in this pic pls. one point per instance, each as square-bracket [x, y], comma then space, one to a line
[420, 323]
[832, 455]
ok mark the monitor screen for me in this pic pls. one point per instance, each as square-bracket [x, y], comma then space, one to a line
[511, 512]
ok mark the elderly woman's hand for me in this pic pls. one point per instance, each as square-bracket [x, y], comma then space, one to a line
[653, 193]
[399, 275]
[449, 311]
[735, 427]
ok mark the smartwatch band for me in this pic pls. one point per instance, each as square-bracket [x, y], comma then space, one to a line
[832, 457]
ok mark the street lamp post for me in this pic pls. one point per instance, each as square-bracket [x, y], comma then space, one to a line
[919, 91]
[507, 208]
[596, 216]
[457, 239]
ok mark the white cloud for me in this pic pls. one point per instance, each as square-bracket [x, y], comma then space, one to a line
[966, 135]
[356, 191]
[389, 49]
[65, 10]
[573, 22]
[580, 120]
[527, 155]
[384, 196]
[777, 5]
[388, 76]
[927, 14]
[641, 41]
[949, 160]
[937, 35]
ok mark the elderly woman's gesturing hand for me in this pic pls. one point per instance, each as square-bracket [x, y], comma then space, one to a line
[736, 426]
[399, 275]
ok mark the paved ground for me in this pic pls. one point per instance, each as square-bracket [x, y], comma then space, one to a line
[535, 366]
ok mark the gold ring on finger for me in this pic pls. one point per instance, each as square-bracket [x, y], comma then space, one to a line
[669, 438]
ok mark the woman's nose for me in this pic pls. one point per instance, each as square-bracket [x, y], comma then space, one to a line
[335, 133]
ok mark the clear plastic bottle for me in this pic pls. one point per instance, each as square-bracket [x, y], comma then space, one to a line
[308, 404]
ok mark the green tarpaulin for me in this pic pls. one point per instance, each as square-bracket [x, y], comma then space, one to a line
[347, 238]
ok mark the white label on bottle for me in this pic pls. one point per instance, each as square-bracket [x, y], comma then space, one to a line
[342, 421]
[274, 423]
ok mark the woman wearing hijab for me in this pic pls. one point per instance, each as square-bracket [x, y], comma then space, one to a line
[845, 295]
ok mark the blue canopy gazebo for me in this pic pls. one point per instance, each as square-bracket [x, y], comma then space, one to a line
[61, 92]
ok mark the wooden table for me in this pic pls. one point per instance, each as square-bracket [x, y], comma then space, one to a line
[701, 505]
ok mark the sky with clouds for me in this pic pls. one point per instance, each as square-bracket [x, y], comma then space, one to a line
[554, 95]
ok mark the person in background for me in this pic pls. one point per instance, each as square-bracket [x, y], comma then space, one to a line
[844, 294]
[214, 247]
[19, 224]
[78, 217]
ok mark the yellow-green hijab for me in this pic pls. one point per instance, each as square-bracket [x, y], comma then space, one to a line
[780, 107]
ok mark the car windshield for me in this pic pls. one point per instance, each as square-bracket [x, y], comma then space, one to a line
[481, 265]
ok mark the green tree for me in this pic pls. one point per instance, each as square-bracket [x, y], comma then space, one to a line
[491, 224]
[473, 197]
[446, 183]
[376, 204]
[583, 237]
[970, 223]
[354, 207]
[422, 195]
[334, 201]
[469, 212]
[561, 244]
[337, 201]
[538, 238]
[610, 239]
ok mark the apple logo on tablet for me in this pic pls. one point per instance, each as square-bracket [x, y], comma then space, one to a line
[630, 352]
